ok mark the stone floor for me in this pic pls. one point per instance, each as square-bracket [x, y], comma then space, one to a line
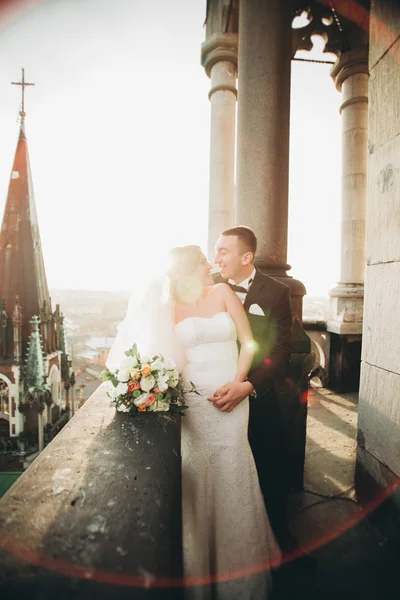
[352, 556]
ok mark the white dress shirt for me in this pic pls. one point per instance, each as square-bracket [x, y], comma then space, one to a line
[246, 283]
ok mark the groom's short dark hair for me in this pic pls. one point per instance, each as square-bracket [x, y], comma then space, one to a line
[246, 236]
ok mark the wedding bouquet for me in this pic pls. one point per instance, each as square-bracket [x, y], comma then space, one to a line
[144, 384]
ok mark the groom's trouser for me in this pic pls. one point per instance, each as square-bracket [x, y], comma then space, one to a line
[269, 445]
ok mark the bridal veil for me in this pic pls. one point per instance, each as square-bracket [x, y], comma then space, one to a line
[149, 323]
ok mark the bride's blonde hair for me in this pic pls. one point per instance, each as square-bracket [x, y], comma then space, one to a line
[183, 262]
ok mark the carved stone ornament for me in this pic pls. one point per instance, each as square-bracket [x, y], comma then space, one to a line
[319, 19]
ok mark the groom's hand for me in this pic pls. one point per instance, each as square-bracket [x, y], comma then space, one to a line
[227, 397]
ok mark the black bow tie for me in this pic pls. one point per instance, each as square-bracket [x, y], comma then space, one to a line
[238, 288]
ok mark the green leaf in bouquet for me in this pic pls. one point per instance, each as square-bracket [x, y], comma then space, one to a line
[109, 376]
[177, 409]
[132, 351]
[193, 389]
[136, 393]
[159, 396]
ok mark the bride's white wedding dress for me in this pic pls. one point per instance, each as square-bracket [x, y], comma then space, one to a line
[226, 532]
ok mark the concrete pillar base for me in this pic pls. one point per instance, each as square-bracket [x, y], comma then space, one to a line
[345, 326]
[347, 305]
[344, 363]
[297, 288]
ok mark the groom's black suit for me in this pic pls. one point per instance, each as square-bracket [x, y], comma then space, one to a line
[272, 332]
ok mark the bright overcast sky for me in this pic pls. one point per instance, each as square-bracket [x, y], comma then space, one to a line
[118, 133]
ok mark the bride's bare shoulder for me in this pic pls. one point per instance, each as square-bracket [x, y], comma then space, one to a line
[218, 289]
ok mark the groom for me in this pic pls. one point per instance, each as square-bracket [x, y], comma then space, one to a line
[267, 304]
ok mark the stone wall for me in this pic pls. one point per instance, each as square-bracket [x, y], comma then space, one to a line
[379, 411]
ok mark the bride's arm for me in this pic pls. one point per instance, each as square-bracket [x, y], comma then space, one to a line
[231, 394]
[235, 308]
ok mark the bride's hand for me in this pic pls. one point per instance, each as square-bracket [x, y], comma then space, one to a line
[227, 397]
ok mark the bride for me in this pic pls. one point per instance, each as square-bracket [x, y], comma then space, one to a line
[228, 544]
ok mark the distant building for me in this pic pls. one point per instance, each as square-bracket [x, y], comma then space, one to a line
[89, 364]
[87, 380]
[35, 362]
[101, 347]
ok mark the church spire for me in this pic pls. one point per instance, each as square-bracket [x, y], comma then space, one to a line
[22, 270]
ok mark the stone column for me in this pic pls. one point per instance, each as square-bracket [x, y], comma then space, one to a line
[219, 59]
[350, 74]
[262, 184]
[262, 167]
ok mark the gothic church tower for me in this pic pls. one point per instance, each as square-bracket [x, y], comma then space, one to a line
[35, 373]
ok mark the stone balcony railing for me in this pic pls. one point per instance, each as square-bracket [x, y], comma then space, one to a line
[98, 512]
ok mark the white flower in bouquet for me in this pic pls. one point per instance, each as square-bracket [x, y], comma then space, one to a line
[120, 389]
[163, 386]
[157, 365]
[141, 399]
[169, 364]
[173, 378]
[123, 408]
[147, 382]
[144, 359]
[128, 363]
[123, 375]
[162, 381]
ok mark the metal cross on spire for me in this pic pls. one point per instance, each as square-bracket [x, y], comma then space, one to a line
[23, 84]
